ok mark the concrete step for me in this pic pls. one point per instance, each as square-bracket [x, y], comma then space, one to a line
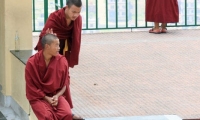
[2, 117]
[7, 113]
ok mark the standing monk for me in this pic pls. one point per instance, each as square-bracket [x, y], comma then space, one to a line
[47, 82]
[67, 24]
[161, 11]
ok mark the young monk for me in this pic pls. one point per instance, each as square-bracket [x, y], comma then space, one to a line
[47, 82]
[161, 11]
[67, 24]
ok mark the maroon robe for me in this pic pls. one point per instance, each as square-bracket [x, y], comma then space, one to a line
[47, 81]
[162, 11]
[57, 21]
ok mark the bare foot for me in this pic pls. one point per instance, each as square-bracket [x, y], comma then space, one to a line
[156, 31]
[75, 117]
[164, 30]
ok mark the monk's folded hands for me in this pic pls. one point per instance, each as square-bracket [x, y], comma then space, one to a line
[55, 100]
[49, 100]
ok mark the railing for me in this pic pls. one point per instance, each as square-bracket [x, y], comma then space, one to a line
[114, 14]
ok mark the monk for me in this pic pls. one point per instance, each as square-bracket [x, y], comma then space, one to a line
[47, 82]
[67, 24]
[161, 11]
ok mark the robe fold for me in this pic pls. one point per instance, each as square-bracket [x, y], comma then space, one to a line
[47, 81]
[162, 11]
[57, 21]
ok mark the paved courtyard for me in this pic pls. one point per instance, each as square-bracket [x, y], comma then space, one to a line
[137, 74]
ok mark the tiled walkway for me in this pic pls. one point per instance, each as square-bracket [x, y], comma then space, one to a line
[138, 74]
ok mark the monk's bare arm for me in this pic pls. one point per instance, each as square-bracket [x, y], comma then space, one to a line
[61, 91]
[55, 97]
[48, 99]
[52, 100]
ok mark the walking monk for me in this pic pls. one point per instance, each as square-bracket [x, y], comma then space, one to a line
[67, 24]
[47, 82]
[161, 11]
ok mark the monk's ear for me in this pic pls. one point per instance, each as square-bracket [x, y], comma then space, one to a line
[46, 46]
[67, 7]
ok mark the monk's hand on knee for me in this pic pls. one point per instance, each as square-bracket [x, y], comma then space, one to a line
[54, 104]
[55, 100]
[48, 99]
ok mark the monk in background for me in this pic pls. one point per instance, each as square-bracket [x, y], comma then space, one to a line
[67, 24]
[161, 11]
[47, 82]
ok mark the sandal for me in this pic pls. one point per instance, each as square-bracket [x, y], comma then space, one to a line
[164, 30]
[154, 31]
[74, 117]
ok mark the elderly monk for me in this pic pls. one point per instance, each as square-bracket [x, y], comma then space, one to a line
[47, 82]
[161, 11]
[67, 24]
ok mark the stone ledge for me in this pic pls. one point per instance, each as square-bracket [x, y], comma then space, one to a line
[23, 55]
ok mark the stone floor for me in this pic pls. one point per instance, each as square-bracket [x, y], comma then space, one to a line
[137, 74]
[153, 117]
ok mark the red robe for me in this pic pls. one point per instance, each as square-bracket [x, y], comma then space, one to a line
[57, 21]
[42, 80]
[162, 11]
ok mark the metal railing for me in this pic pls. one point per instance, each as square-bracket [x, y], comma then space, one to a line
[114, 14]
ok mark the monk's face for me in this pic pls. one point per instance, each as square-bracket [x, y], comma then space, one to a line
[72, 12]
[54, 47]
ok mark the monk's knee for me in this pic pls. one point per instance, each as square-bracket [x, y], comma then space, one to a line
[48, 116]
[64, 110]
[68, 112]
[68, 116]
[65, 115]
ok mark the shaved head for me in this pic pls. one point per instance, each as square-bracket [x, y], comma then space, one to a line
[48, 39]
[77, 3]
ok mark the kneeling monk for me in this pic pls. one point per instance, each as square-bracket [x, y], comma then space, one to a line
[47, 82]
